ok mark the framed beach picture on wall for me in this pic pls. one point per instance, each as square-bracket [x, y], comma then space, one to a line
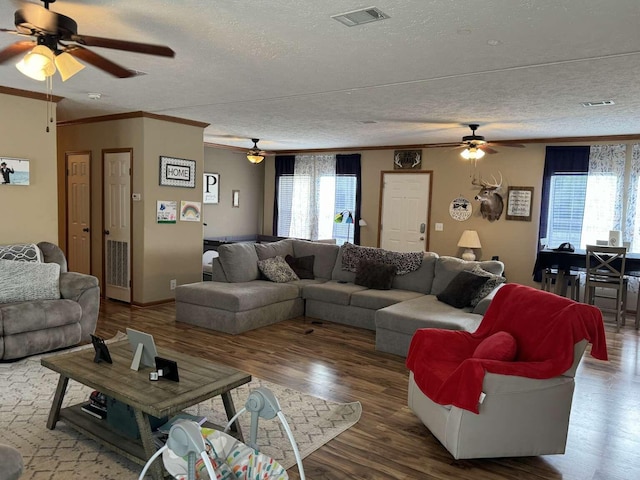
[14, 171]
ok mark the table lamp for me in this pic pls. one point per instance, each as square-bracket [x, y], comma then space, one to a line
[468, 241]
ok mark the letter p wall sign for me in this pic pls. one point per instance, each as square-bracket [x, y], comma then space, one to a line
[211, 188]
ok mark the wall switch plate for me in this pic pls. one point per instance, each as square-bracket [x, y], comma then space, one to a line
[172, 284]
[439, 227]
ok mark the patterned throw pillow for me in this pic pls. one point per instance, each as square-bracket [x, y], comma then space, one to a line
[24, 252]
[26, 281]
[492, 282]
[277, 270]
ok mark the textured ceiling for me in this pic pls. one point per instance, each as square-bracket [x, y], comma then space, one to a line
[284, 71]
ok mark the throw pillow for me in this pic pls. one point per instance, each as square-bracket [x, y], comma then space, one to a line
[277, 270]
[464, 286]
[378, 276]
[27, 281]
[24, 252]
[499, 346]
[492, 282]
[303, 266]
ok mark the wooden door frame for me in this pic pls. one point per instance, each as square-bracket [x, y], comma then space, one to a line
[103, 244]
[66, 202]
[428, 220]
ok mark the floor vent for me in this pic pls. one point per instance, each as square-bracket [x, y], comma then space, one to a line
[118, 263]
[358, 17]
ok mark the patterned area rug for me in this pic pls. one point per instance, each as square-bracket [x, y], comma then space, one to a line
[27, 392]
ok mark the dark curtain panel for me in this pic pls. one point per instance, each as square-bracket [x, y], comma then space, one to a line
[558, 160]
[350, 165]
[285, 165]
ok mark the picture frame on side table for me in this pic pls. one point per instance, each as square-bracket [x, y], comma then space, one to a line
[177, 172]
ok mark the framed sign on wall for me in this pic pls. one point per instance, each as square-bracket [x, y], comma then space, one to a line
[211, 188]
[519, 200]
[177, 172]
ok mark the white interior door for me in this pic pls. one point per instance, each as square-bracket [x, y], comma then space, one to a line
[79, 212]
[117, 225]
[404, 217]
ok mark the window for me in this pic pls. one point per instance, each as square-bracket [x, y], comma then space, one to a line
[311, 190]
[588, 191]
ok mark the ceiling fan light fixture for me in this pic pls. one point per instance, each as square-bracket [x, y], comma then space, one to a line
[38, 63]
[67, 65]
[472, 153]
[255, 155]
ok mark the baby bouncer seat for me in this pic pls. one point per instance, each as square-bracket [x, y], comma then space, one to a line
[193, 453]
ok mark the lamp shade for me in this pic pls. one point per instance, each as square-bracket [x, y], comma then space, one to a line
[38, 63]
[67, 65]
[254, 158]
[469, 239]
[472, 153]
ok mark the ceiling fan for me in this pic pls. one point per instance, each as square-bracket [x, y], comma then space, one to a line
[475, 146]
[58, 44]
[254, 154]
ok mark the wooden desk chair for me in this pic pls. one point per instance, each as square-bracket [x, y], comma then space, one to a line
[571, 282]
[603, 272]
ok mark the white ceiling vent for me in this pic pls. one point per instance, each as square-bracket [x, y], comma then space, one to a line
[358, 17]
[601, 103]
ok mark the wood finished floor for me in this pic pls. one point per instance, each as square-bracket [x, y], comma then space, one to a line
[340, 363]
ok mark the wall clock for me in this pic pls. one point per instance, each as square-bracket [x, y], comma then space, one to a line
[460, 209]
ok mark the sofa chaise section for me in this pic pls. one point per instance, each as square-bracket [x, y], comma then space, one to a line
[237, 307]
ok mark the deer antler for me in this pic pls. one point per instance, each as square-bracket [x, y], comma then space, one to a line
[396, 160]
[416, 160]
[485, 184]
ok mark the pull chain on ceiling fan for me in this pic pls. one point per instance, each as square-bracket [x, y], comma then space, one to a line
[58, 46]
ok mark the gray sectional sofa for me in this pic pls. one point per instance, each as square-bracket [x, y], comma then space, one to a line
[238, 299]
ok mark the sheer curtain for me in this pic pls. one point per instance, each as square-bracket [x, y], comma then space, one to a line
[604, 198]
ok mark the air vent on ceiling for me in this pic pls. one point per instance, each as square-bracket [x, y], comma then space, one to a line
[601, 103]
[358, 17]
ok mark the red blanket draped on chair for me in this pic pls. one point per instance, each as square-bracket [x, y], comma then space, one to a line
[545, 326]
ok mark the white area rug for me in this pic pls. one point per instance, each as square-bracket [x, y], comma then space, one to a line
[26, 393]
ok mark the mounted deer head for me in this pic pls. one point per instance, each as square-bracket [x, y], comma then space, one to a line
[491, 203]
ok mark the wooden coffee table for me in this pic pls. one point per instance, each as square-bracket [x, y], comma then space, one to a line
[199, 380]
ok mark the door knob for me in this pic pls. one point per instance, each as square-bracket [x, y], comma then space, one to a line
[421, 238]
[106, 232]
[85, 229]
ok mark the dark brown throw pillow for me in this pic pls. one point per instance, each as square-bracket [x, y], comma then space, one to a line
[378, 276]
[462, 289]
[303, 266]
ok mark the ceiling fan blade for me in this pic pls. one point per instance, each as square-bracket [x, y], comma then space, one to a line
[89, 41]
[488, 149]
[514, 145]
[99, 61]
[15, 49]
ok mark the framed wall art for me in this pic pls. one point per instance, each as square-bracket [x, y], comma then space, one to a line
[14, 171]
[407, 159]
[235, 198]
[177, 172]
[211, 188]
[519, 201]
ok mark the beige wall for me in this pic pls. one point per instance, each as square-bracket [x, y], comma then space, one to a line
[236, 173]
[515, 242]
[28, 213]
[160, 252]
